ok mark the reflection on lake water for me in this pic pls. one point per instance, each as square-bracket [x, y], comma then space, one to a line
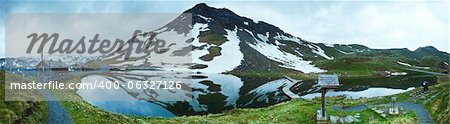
[214, 93]
[136, 108]
[371, 92]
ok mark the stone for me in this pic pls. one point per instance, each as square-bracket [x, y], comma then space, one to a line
[379, 111]
[348, 119]
[334, 119]
[357, 115]
[356, 120]
[319, 116]
[393, 111]
[341, 120]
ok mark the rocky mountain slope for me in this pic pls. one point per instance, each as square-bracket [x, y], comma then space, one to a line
[222, 41]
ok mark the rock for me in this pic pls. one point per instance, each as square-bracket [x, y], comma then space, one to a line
[334, 119]
[341, 120]
[379, 111]
[319, 116]
[349, 119]
[356, 120]
[393, 111]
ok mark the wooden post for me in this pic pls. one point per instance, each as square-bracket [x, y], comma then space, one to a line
[325, 82]
[324, 91]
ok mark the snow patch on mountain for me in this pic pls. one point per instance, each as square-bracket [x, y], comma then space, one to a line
[288, 60]
[196, 29]
[405, 64]
[316, 49]
[249, 32]
[2, 62]
[262, 37]
[328, 45]
[346, 53]
[409, 65]
[230, 53]
[282, 37]
[278, 43]
[398, 73]
[130, 63]
[205, 18]
[300, 54]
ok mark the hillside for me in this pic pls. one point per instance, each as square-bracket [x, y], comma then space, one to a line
[248, 45]
[20, 111]
[219, 35]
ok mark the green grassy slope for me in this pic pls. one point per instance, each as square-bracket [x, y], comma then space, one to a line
[357, 66]
[294, 111]
[439, 103]
[20, 111]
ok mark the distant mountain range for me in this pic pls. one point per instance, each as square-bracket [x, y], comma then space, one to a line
[53, 61]
[226, 42]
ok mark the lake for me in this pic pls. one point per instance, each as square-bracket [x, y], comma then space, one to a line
[215, 93]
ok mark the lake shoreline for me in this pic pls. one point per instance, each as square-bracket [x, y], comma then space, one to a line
[228, 114]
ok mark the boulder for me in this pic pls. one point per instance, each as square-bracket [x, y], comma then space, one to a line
[334, 119]
[349, 119]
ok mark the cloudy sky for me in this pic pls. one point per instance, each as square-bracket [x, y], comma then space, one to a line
[374, 24]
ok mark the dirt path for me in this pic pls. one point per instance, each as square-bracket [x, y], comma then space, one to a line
[56, 113]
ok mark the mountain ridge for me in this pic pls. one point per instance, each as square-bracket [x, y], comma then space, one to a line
[223, 41]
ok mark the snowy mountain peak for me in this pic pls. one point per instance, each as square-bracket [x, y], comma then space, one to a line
[228, 20]
[263, 46]
[223, 41]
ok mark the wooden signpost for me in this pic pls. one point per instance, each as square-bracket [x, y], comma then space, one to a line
[326, 82]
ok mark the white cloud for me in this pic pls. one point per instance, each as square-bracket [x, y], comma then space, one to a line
[375, 24]
[2, 44]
